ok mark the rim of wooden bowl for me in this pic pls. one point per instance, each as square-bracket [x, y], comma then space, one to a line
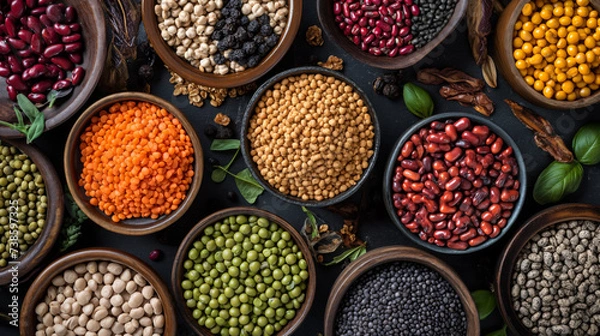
[389, 254]
[326, 18]
[184, 69]
[506, 263]
[93, 65]
[505, 61]
[38, 288]
[196, 231]
[54, 215]
[391, 166]
[245, 144]
[72, 165]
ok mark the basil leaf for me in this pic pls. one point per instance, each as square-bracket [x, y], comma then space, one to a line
[224, 144]
[51, 98]
[17, 128]
[586, 144]
[19, 115]
[485, 302]
[249, 188]
[36, 128]
[556, 181]
[417, 100]
[27, 107]
[359, 252]
[500, 332]
[218, 174]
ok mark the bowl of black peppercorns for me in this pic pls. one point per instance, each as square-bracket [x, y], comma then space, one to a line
[399, 290]
[222, 44]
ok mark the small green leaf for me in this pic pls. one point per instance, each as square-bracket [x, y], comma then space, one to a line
[417, 100]
[485, 302]
[313, 222]
[500, 332]
[556, 181]
[19, 116]
[359, 252]
[51, 98]
[17, 128]
[586, 144]
[218, 175]
[224, 144]
[347, 254]
[249, 188]
[27, 107]
[36, 128]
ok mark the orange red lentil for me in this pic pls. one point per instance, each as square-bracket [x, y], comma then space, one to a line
[556, 48]
[137, 161]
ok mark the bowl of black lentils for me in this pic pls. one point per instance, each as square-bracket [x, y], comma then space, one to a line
[390, 34]
[243, 271]
[31, 209]
[221, 43]
[548, 275]
[399, 290]
[310, 136]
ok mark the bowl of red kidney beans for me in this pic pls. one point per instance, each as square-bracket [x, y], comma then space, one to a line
[454, 183]
[390, 34]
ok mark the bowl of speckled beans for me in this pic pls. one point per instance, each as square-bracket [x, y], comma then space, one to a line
[548, 276]
[221, 43]
[398, 290]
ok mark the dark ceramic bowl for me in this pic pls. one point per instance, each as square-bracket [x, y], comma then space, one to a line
[506, 263]
[246, 145]
[392, 163]
[390, 254]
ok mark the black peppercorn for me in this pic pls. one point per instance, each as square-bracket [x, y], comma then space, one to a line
[264, 19]
[219, 58]
[249, 48]
[244, 20]
[253, 26]
[253, 61]
[232, 196]
[237, 55]
[217, 35]
[391, 91]
[240, 34]
[272, 40]
[210, 131]
[266, 30]
[263, 49]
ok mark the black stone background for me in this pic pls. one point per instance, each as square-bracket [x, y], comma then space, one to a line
[476, 269]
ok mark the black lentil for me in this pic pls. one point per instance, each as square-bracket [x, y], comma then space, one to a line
[433, 18]
[401, 298]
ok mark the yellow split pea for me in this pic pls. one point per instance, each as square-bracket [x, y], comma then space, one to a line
[311, 136]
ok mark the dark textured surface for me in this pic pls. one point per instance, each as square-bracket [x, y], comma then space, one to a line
[476, 270]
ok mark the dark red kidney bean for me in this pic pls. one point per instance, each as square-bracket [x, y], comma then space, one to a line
[437, 217]
[55, 13]
[17, 82]
[462, 124]
[62, 84]
[442, 234]
[5, 71]
[70, 14]
[24, 53]
[483, 150]
[457, 245]
[409, 164]
[11, 27]
[36, 44]
[50, 35]
[31, 3]
[62, 62]
[62, 29]
[16, 43]
[4, 47]
[495, 231]
[38, 11]
[337, 8]
[15, 65]
[71, 38]
[37, 70]
[477, 241]
[406, 49]
[41, 86]
[37, 98]
[25, 35]
[29, 62]
[34, 24]
[46, 22]
[62, 74]
[494, 195]
[12, 92]
[53, 50]
[77, 75]
[509, 195]
[484, 205]
[453, 184]
[470, 234]
[17, 8]
[440, 225]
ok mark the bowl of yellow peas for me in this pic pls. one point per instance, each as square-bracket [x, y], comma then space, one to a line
[549, 51]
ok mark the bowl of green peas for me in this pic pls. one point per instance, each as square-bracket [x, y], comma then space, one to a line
[243, 271]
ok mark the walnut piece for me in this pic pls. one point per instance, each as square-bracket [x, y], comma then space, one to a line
[314, 36]
[333, 63]
[222, 119]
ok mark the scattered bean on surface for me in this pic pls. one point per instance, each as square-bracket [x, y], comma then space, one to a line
[455, 184]
[311, 136]
[555, 284]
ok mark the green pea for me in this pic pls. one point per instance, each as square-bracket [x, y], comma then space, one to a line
[245, 309]
[291, 259]
[198, 245]
[254, 238]
[235, 301]
[286, 236]
[263, 222]
[190, 303]
[262, 321]
[247, 245]
[243, 319]
[269, 330]
[281, 244]
[186, 284]
[209, 322]
[188, 294]
[211, 245]
[225, 277]
[244, 266]
[263, 233]
[196, 314]
[238, 237]
[227, 254]
[241, 219]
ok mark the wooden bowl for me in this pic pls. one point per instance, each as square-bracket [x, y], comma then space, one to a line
[190, 73]
[327, 19]
[506, 263]
[178, 270]
[506, 64]
[389, 254]
[37, 290]
[44, 243]
[391, 166]
[91, 18]
[73, 167]
[245, 147]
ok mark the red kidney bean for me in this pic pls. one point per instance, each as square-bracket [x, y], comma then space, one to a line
[62, 62]
[46, 22]
[17, 8]
[4, 47]
[457, 245]
[486, 227]
[12, 92]
[11, 27]
[15, 65]
[77, 75]
[53, 50]
[55, 13]
[62, 84]
[25, 35]
[37, 98]
[477, 241]
[71, 38]
[31, 3]
[509, 195]
[75, 27]
[34, 24]
[16, 43]
[5, 71]
[17, 82]
[462, 124]
[442, 234]
[62, 29]
[41, 86]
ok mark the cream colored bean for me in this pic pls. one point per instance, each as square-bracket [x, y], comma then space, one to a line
[54, 307]
[41, 309]
[80, 268]
[102, 267]
[48, 320]
[136, 300]
[82, 320]
[92, 325]
[118, 286]
[65, 308]
[126, 308]
[107, 291]
[92, 267]
[131, 326]
[148, 308]
[88, 309]
[148, 331]
[117, 328]
[131, 287]
[158, 321]
[107, 322]
[145, 321]
[116, 300]
[148, 292]
[60, 330]
[84, 297]
[123, 318]
[100, 313]
[97, 277]
[58, 281]
[156, 305]
[75, 308]
[108, 278]
[104, 332]
[80, 331]
[79, 284]
[116, 311]
[136, 313]
[68, 292]
[70, 276]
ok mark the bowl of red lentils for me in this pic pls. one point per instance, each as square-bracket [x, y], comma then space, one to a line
[310, 136]
[454, 183]
[133, 163]
[549, 51]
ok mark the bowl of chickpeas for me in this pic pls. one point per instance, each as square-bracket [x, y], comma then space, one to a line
[549, 51]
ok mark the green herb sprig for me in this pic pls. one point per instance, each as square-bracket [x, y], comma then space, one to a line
[485, 301]
[246, 184]
[562, 178]
[72, 229]
[36, 124]
[350, 254]
[313, 222]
